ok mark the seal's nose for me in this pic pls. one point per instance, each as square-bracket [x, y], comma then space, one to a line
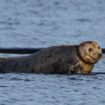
[100, 55]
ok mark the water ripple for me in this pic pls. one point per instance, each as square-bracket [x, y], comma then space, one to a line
[40, 23]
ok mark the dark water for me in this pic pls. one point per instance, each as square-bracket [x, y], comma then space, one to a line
[42, 23]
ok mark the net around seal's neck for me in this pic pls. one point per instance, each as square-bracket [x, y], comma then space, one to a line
[84, 56]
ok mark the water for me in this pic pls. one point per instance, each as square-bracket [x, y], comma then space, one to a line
[30, 89]
[43, 23]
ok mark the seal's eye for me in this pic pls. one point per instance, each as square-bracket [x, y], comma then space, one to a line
[90, 49]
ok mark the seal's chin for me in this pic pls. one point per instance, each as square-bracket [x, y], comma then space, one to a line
[90, 60]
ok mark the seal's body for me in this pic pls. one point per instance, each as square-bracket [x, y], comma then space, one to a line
[66, 59]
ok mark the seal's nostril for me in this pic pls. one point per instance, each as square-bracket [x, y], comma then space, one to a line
[100, 55]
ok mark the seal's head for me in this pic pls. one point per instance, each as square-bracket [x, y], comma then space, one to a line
[90, 52]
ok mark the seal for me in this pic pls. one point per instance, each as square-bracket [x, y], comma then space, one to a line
[63, 59]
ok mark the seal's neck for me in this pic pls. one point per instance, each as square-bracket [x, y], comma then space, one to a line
[87, 67]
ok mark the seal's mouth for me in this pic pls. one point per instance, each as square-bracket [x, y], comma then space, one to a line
[93, 60]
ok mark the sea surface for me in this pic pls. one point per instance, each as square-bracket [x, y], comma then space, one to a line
[43, 23]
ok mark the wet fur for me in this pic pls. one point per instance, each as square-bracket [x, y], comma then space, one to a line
[56, 59]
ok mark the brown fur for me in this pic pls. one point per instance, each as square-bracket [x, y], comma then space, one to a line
[66, 59]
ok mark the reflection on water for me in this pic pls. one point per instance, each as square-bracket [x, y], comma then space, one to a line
[42, 23]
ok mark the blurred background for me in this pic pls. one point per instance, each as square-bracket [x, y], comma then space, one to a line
[42, 23]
